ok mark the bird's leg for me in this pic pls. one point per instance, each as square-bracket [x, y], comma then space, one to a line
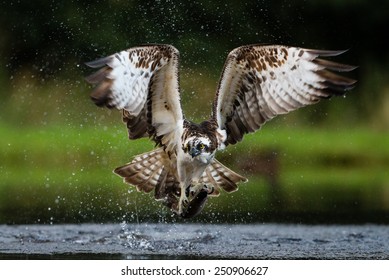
[197, 201]
[184, 199]
[194, 189]
[190, 192]
[193, 198]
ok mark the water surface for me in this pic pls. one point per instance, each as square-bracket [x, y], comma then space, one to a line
[194, 241]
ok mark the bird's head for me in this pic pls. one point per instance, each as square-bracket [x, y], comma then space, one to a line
[199, 148]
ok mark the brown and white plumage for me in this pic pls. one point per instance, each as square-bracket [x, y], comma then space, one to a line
[261, 82]
[143, 82]
[258, 82]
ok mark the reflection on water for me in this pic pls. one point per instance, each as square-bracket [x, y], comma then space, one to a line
[251, 204]
[301, 217]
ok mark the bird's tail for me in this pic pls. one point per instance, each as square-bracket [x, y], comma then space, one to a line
[221, 177]
[216, 176]
[153, 171]
[148, 172]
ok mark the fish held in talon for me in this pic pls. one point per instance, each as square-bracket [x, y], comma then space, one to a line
[258, 83]
[195, 205]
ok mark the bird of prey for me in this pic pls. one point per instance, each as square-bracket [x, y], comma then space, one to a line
[258, 82]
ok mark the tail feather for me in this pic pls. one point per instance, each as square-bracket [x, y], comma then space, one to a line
[143, 171]
[147, 172]
[221, 177]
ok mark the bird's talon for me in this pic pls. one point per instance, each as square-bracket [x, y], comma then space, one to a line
[195, 205]
[209, 189]
[187, 190]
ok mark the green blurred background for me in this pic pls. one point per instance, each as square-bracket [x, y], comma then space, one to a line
[328, 163]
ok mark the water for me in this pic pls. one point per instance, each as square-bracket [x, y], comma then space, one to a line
[194, 241]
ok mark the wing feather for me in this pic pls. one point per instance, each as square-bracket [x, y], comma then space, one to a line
[260, 82]
[143, 83]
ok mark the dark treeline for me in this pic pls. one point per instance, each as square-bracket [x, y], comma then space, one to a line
[46, 34]
[53, 38]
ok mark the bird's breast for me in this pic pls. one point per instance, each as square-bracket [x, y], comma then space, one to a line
[191, 169]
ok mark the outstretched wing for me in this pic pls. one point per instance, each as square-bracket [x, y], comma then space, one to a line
[143, 83]
[260, 82]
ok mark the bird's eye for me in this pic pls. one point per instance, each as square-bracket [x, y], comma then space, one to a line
[201, 146]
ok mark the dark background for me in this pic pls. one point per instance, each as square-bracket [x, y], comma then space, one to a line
[51, 39]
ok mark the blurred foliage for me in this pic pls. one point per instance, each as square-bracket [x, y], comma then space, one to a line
[63, 174]
[49, 40]
[57, 148]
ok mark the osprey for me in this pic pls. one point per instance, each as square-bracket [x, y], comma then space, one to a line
[258, 82]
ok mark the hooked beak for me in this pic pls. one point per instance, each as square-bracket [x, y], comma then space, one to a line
[194, 152]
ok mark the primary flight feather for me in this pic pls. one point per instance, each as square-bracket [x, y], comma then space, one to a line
[258, 82]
